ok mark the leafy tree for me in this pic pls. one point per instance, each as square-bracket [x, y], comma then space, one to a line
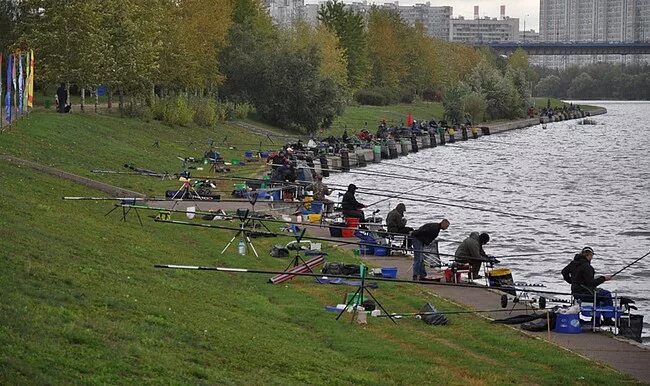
[475, 105]
[452, 101]
[387, 48]
[582, 86]
[549, 86]
[349, 27]
[292, 95]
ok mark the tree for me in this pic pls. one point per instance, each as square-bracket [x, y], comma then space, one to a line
[475, 105]
[292, 95]
[350, 30]
[582, 86]
[452, 101]
[548, 86]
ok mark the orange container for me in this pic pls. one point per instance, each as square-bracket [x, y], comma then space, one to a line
[347, 232]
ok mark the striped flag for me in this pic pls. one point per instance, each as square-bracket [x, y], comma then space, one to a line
[10, 66]
[30, 80]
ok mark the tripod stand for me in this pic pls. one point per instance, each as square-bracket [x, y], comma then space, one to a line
[359, 295]
[186, 190]
[242, 232]
[253, 219]
[125, 209]
[297, 259]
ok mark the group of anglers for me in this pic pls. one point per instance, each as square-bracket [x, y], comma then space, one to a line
[579, 272]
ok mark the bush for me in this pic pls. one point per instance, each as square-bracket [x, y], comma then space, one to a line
[242, 110]
[372, 97]
[134, 110]
[178, 111]
[205, 112]
[158, 107]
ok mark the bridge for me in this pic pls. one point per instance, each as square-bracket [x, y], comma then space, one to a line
[572, 48]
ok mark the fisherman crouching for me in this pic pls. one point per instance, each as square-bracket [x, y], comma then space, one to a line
[581, 275]
[395, 221]
[471, 252]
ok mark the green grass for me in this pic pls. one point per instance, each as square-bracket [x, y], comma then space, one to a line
[82, 303]
[79, 143]
[355, 117]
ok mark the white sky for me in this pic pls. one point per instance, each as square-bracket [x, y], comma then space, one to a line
[527, 10]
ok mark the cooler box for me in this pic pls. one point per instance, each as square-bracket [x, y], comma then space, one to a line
[389, 272]
[567, 323]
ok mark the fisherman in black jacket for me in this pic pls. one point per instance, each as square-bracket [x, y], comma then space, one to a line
[580, 274]
[351, 207]
[421, 237]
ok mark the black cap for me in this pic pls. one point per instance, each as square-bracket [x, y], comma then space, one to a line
[352, 187]
[483, 238]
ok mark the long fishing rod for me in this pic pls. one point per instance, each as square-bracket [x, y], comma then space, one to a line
[160, 175]
[210, 200]
[307, 274]
[405, 177]
[442, 312]
[399, 195]
[427, 201]
[304, 224]
[629, 265]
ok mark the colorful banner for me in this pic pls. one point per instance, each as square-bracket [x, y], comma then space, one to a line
[10, 76]
[30, 80]
[21, 84]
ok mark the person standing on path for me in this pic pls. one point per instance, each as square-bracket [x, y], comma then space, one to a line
[421, 237]
[62, 99]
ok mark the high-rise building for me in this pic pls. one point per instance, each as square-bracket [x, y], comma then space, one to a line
[567, 21]
[485, 30]
[284, 12]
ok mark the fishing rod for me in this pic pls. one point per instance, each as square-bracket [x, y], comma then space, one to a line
[442, 312]
[398, 196]
[629, 265]
[405, 177]
[307, 224]
[331, 240]
[212, 200]
[147, 174]
[307, 274]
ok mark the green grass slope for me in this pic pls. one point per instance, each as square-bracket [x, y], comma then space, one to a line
[82, 303]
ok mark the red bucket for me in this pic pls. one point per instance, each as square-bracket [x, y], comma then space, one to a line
[347, 232]
[352, 222]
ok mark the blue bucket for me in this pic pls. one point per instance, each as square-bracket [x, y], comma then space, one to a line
[381, 251]
[389, 272]
[567, 324]
[276, 195]
[248, 154]
[264, 154]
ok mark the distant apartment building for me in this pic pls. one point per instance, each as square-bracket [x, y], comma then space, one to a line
[566, 21]
[284, 12]
[435, 20]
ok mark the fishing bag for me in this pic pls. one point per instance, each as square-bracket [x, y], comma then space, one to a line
[279, 251]
[341, 269]
[432, 317]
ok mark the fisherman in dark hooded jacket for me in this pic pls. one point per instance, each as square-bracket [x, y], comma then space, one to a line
[580, 274]
[351, 207]
[471, 252]
[395, 221]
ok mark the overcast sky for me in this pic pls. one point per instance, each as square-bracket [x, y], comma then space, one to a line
[527, 10]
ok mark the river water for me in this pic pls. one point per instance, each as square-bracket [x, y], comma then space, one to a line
[579, 185]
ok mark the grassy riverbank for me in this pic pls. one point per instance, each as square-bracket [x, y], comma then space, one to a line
[82, 302]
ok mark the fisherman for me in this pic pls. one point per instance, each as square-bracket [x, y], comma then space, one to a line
[351, 207]
[320, 190]
[421, 237]
[580, 274]
[471, 252]
[395, 221]
[277, 160]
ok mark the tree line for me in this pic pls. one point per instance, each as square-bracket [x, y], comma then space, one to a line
[596, 81]
[191, 52]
